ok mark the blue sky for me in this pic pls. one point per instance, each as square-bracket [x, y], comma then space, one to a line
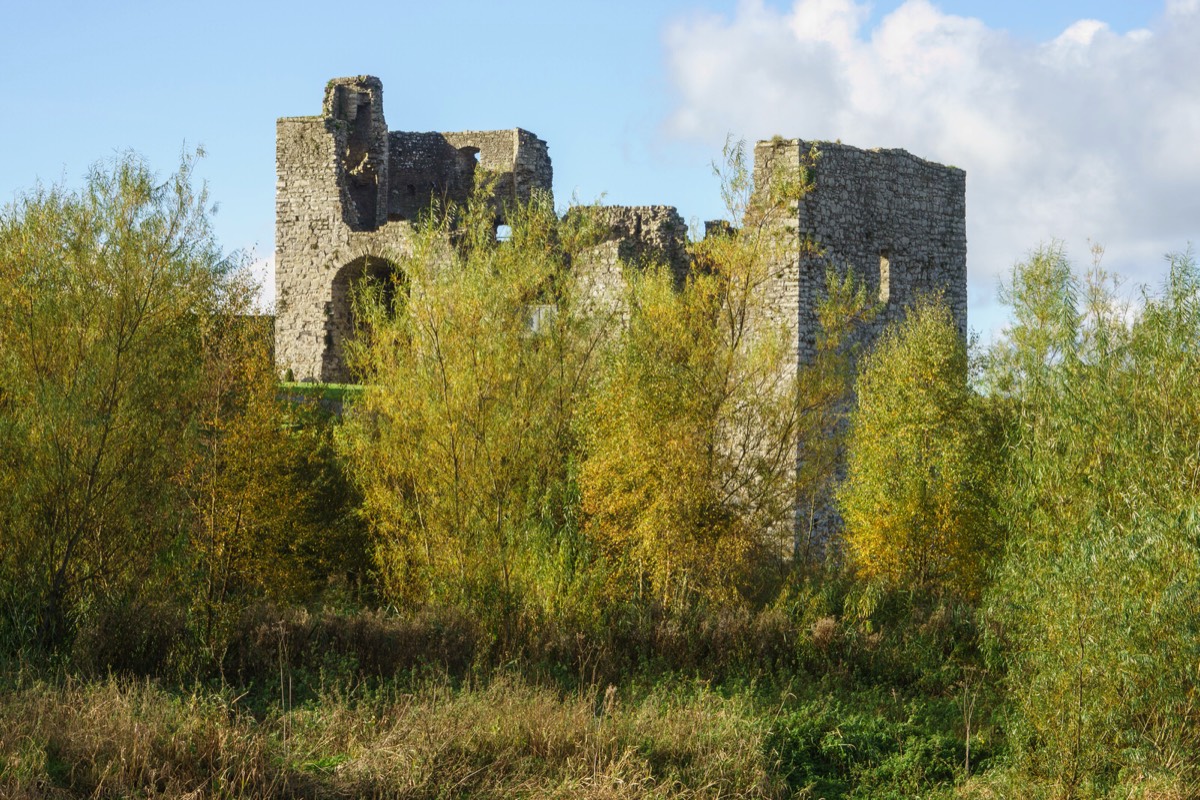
[1066, 129]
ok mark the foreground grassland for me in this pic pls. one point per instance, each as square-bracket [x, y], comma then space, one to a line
[789, 702]
[115, 738]
[506, 736]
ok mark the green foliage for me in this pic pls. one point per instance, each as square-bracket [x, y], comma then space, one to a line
[824, 395]
[150, 482]
[533, 491]
[1095, 606]
[103, 297]
[463, 440]
[689, 441]
[689, 480]
[269, 508]
[916, 499]
[331, 392]
[866, 747]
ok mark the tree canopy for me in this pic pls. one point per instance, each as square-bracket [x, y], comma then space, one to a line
[916, 499]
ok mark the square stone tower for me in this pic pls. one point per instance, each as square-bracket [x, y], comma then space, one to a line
[347, 194]
[897, 221]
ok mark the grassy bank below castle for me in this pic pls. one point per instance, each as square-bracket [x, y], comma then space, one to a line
[368, 705]
[363, 704]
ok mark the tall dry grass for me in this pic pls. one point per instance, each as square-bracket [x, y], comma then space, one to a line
[123, 738]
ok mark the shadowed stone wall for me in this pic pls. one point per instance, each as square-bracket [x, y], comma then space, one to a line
[425, 167]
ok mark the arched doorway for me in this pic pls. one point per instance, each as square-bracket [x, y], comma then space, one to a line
[340, 324]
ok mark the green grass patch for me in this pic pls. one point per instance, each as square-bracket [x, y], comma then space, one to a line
[339, 392]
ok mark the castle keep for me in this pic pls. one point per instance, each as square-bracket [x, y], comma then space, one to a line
[897, 221]
[349, 191]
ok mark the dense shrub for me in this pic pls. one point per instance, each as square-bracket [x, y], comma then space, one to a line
[870, 747]
[1095, 607]
[920, 459]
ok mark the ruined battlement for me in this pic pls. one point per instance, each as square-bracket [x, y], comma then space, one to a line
[637, 236]
[349, 191]
[441, 166]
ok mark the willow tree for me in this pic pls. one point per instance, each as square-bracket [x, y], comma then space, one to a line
[690, 479]
[1095, 603]
[463, 440]
[916, 500]
[103, 294]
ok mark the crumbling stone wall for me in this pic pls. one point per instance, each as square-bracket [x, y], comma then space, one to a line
[638, 236]
[347, 194]
[425, 167]
[441, 167]
[328, 203]
[518, 159]
[353, 111]
[897, 221]
[349, 191]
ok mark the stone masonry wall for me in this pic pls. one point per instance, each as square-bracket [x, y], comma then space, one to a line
[347, 193]
[442, 167]
[425, 167]
[353, 115]
[897, 221]
[328, 203]
[518, 159]
[639, 236]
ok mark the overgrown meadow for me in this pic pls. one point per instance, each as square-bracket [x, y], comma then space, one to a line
[558, 553]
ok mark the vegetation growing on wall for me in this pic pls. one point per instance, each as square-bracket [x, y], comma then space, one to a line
[689, 470]
[463, 443]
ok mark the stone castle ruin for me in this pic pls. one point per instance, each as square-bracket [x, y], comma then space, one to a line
[897, 221]
[349, 191]
[347, 195]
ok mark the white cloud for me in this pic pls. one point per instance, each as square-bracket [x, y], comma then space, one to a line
[1092, 134]
[263, 270]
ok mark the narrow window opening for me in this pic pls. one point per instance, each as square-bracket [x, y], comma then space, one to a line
[503, 233]
[885, 276]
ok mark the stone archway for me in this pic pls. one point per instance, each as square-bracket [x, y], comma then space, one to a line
[340, 324]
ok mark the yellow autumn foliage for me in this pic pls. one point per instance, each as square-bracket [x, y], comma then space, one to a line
[689, 479]
[915, 499]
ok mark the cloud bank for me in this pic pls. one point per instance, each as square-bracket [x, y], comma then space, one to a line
[1092, 135]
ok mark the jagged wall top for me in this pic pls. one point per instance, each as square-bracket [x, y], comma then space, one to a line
[347, 192]
[896, 220]
[348, 189]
